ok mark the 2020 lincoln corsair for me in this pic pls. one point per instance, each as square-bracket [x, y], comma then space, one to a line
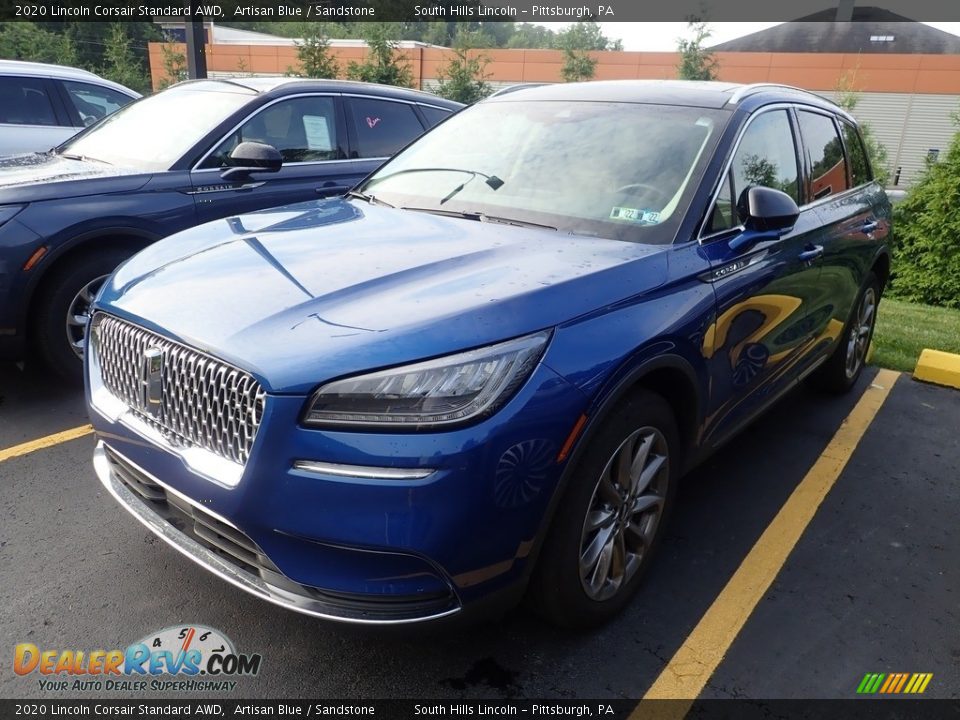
[483, 372]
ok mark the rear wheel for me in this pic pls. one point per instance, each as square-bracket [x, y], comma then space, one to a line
[842, 370]
[611, 517]
[63, 309]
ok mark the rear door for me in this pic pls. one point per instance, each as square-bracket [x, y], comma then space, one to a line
[766, 318]
[852, 209]
[379, 128]
[308, 130]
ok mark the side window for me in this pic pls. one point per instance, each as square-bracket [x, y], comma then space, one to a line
[93, 102]
[766, 156]
[303, 129]
[24, 101]
[859, 165]
[828, 169]
[434, 115]
[382, 127]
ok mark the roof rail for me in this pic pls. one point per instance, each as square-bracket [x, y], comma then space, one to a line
[513, 88]
[744, 90]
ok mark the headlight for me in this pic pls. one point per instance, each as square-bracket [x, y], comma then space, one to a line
[443, 391]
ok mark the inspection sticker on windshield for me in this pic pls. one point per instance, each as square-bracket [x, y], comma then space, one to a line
[635, 215]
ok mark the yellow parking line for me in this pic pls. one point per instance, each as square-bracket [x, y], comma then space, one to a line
[694, 663]
[45, 442]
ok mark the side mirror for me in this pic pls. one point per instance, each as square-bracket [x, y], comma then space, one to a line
[767, 210]
[249, 157]
[764, 212]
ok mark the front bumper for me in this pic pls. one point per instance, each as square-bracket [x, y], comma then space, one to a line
[218, 546]
[383, 550]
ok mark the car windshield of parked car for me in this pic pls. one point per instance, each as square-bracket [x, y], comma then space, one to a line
[155, 132]
[615, 170]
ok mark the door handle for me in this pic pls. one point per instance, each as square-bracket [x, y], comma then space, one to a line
[869, 226]
[811, 253]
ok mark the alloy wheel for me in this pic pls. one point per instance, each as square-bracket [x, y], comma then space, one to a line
[861, 332]
[624, 513]
[78, 314]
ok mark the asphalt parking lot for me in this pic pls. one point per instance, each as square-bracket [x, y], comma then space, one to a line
[871, 587]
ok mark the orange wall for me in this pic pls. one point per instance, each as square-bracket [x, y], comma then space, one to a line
[814, 71]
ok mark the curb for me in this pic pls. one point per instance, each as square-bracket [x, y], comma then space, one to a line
[939, 368]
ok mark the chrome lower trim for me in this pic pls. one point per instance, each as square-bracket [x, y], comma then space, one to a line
[362, 472]
[226, 571]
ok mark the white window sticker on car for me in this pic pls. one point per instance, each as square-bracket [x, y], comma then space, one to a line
[648, 217]
[317, 131]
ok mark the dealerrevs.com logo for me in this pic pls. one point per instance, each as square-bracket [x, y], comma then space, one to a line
[202, 658]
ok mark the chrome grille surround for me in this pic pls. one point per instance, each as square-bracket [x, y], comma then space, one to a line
[204, 402]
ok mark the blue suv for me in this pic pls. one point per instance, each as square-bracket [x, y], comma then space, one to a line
[483, 372]
[189, 154]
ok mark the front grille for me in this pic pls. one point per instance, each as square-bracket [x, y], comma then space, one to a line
[203, 402]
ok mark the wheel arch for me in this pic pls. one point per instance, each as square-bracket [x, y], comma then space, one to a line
[881, 268]
[91, 241]
[667, 374]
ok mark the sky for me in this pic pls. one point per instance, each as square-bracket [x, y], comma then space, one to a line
[662, 36]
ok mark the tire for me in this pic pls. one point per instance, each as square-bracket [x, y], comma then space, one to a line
[842, 370]
[576, 594]
[66, 293]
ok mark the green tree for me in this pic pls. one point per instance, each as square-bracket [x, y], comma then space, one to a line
[174, 65]
[696, 62]
[383, 64]
[530, 36]
[313, 52]
[575, 42]
[27, 41]
[848, 97]
[464, 78]
[120, 63]
[927, 229]
[585, 36]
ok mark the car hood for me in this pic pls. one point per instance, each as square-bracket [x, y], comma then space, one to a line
[42, 176]
[305, 293]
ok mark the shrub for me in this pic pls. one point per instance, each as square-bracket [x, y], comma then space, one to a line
[927, 229]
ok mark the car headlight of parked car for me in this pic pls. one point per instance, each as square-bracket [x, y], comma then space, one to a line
[442, 391]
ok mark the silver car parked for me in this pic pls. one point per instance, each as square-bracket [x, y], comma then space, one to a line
[42, 105]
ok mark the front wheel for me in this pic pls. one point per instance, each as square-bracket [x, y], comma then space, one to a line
[63, 310]
[841, 372]
[611, 517]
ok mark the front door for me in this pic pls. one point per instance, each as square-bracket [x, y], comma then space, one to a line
[766, 320]
[308, 131]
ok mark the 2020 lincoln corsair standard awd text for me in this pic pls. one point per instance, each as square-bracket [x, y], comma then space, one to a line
[483, 372]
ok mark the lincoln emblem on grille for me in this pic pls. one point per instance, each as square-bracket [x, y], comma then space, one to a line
[151, 384]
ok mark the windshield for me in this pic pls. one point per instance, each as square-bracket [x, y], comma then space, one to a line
[155, 132]
[615, 170]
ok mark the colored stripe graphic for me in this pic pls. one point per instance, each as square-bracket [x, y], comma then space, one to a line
[894, 683]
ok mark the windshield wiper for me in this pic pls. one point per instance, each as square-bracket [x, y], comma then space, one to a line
[372, 199]
[84, 158]
[492, 181]
[480, 217]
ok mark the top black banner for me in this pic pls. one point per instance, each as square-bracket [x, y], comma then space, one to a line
[542, 11]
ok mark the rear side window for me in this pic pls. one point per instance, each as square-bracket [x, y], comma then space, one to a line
[828, 168]
[766, 156]
[24, 101]
[93, 102]
[434, 115]
[859, 165]
[382, 127]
